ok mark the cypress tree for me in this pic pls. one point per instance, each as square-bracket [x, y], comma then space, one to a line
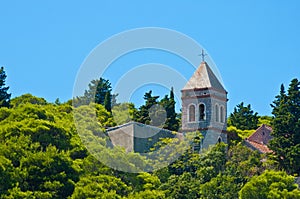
[4, 95]
[172, 115]
[168, 103]
[107, 101]
[286, 128]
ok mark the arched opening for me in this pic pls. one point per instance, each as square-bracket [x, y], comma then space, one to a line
[201, 112]
[219, 140]
[191, 113]
[222, 114]
[217, 112]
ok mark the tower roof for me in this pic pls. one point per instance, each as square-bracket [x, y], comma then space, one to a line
[203, 78]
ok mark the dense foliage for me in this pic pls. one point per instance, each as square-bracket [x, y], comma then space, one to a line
[243, 117]
[271, 184]
[286, 128]
[99, 92]
[158, 113]
[43, 155]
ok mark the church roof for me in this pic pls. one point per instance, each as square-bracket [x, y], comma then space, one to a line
[260, 139]
[261, 135]
[204, 77]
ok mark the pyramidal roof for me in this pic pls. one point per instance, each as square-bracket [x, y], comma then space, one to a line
[203, 78]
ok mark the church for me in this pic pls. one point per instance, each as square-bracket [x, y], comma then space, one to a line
[204, 109]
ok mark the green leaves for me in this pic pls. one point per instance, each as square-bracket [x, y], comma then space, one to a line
[101, 186]
[286, 128]
[243, 117]
[43, 156]
[48, 171]
[99, 92]
[36, 139]
[158, 113]
[271, 184]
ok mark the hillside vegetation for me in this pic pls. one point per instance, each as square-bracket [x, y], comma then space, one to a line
[43, 156]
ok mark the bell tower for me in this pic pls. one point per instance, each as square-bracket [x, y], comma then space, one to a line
[204, 106]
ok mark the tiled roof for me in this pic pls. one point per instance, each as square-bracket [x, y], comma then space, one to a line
[261, 135]
[257, 146]
[203, 78]
[260, 138]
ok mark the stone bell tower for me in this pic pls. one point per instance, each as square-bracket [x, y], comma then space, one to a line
[204, 106]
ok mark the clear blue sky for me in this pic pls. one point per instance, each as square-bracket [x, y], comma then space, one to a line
[255, 44]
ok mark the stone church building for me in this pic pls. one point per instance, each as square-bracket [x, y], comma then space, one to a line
[204, 108]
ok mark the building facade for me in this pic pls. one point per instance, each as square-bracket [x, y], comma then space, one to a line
[204, 106]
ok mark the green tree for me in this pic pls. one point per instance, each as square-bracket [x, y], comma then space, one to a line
[4, 95]
[271, 184]
[172, 123]
[148, 194]
[220, 187]
[101, 186]
[107, 101]
[6, 175]
[143, 115]
[182, 186]
[286, 128]
[99, 92]
[27, 99]
[243, 163]
[123, 113]
[49, 171]
[243, 117]
[158, 113]
[98, 89]
[264, 120]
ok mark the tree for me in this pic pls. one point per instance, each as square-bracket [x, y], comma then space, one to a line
[182, 186]
[158, 113]
[99, 92]
[4, 95]
[243, 117]
[6, 174]
[27, 99]
[286, 128]
[123, 113]
[102, 186]
[271, 184]
[143, 115]
[168, 103]
[107, 101]
[148, 194]
[98, 89]
[222, 186]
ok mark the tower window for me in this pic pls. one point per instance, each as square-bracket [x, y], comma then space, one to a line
[222, 114]
[217, 112]
[201, 112]
[191, 113]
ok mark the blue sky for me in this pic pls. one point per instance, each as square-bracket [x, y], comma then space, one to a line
[255, 44]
